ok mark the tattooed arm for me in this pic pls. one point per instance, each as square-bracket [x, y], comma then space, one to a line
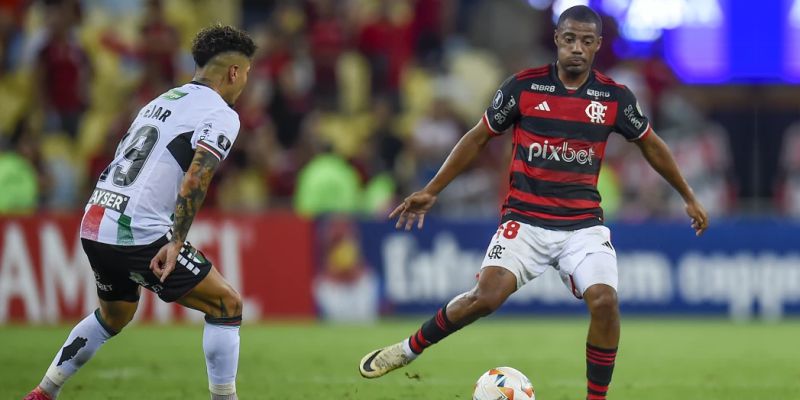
[193, 191]
[190, 198]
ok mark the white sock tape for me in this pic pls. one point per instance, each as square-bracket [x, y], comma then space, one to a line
[223, 389]
[55, 375]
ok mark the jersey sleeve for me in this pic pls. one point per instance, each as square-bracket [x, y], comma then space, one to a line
[504, 110]
[631, 123]
[217, 132]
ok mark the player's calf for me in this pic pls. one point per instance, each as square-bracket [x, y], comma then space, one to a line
[603, 306]
[221, 348]
[603, 338]
[81, 344]
[222, 306]
[495, 284]
[474, 305]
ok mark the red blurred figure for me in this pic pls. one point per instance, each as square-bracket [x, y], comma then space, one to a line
[387, 43]
[62, 69]
[160, 43]
[328, 40]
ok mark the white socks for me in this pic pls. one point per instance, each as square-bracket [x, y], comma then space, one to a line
[407, 349]
[81, 344]
[221, 346]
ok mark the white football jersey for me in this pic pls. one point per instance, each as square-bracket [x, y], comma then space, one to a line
[134, 200]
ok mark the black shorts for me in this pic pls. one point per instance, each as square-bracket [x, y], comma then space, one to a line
[120, 270]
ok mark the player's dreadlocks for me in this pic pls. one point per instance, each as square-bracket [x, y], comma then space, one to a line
[581, 14]
[218, 39]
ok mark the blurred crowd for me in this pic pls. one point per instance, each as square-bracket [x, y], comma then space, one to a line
[354, 103]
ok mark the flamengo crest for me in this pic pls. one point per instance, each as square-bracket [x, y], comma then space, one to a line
[596, 112]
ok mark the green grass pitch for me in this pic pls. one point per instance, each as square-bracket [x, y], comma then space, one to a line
[658, 360]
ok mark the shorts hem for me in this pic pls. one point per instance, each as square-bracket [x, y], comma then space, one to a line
[200, 277]
[126, 298]
[517, 276]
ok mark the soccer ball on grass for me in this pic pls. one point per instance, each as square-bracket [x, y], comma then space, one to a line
[503, 383]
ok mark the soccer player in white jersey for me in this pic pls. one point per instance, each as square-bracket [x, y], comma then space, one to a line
[135, 224]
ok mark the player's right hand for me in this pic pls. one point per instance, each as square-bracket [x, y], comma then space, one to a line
[413, 209]
[164, 262]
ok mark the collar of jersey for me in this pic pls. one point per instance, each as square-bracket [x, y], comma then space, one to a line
[193, 82]
[557, 80]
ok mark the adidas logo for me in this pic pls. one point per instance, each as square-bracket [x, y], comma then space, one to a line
[543, 106]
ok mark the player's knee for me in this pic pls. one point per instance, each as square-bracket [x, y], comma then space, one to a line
[230, 304]
[483, 304]
[602, 301]
[236, 303]
[117, 324]
[116, 321]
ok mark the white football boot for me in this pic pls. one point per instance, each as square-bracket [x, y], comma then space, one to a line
[380, 362]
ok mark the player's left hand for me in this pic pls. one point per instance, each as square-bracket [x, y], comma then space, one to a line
[164, 262]
[698, 215]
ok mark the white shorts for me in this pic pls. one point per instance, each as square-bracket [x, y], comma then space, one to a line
[527, 251]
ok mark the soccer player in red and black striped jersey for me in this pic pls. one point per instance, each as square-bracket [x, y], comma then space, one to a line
[560, 116]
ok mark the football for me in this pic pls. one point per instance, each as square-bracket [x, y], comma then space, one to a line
[503, 383]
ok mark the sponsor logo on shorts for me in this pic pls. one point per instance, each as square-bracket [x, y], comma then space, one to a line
[110, 200]
[139, 279]
[101, 286]
[496, 252]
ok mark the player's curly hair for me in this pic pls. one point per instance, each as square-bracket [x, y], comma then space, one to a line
[218, 39]
[581, 14]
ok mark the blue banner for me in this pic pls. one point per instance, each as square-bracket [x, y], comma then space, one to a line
[739, 268]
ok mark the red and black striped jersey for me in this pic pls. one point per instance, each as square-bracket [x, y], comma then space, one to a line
[559, 141]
